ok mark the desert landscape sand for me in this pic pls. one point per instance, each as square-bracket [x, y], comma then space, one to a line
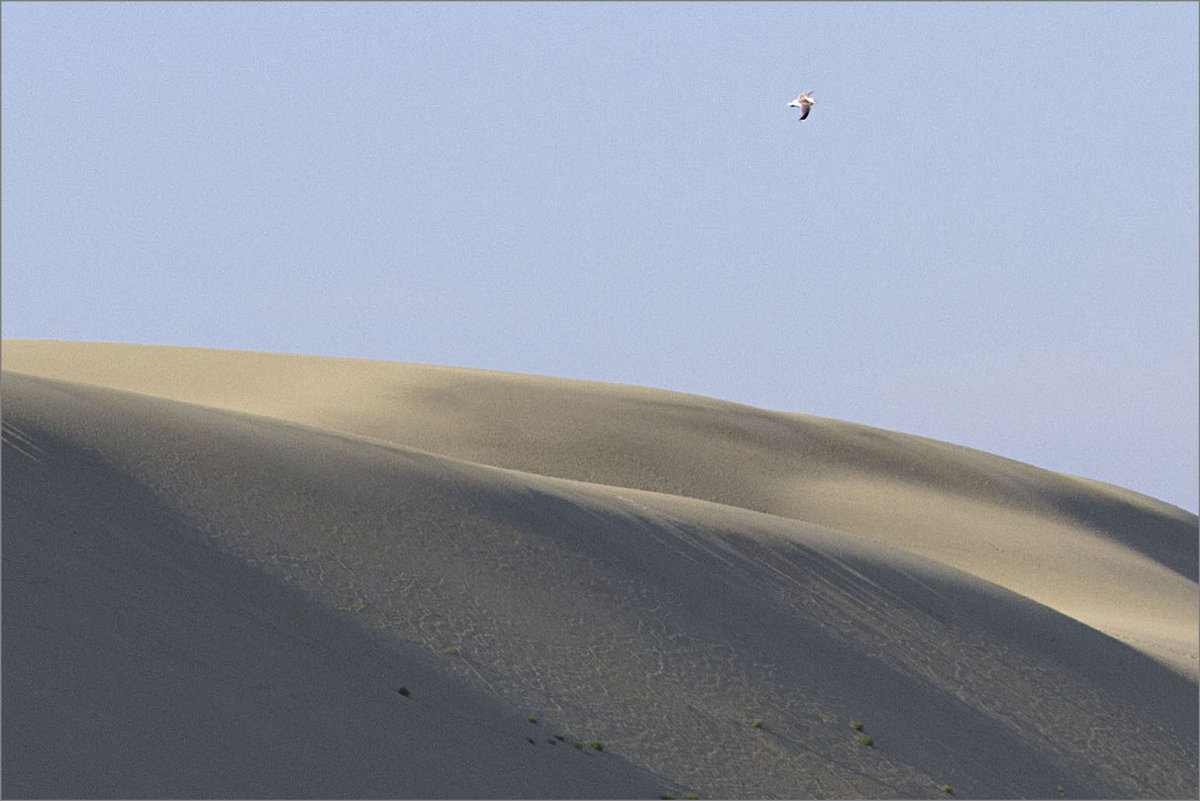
[219, 568]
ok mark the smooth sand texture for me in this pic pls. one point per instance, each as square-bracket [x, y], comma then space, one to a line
[237, 565]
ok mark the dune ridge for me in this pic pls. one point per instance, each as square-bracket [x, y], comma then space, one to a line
[1046, 535]
[569, 551]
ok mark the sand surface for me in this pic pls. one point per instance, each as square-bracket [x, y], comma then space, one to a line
[219, 566]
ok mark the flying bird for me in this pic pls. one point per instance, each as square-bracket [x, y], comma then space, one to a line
[804, 103]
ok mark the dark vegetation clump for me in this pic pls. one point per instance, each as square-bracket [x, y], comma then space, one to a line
[404, 691]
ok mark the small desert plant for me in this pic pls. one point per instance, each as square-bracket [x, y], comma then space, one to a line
[756, 723]
[599, 746]
[865, 739]
[945, 788]
[532, 719]
[856, 725]
[560, 737]
[667, 797]
[1061, 791]
[691, 797]
[453, 649]
[579, 746]
[404, 691]
[531, 741]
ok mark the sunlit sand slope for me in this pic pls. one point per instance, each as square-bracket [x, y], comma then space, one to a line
[1121, 562]
[186, 586]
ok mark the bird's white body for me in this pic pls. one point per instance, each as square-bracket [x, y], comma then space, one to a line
[804, 102]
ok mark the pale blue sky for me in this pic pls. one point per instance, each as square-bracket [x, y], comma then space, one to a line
[985, 232]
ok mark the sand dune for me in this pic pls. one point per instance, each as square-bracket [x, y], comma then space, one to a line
[229, 558]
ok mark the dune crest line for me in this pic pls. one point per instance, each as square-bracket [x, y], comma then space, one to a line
[1090, 550]
[523, 573]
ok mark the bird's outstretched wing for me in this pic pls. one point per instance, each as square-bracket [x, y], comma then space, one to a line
[804, 103]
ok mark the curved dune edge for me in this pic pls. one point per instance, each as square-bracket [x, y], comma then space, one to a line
[659, 625]
[1121, 562]
[140, 661]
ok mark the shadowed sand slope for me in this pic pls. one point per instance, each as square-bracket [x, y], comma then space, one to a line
[141, 662]
[245, 585]
[1121, 562]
